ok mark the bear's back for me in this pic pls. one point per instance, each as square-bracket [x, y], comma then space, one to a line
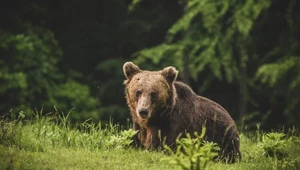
[195, 111]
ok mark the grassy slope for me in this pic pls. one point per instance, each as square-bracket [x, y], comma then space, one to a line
[42, 144]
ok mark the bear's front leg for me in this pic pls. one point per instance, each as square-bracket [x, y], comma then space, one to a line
[137, 138]
[155, 138]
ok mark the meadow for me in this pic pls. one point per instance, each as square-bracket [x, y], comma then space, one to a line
[51, 142]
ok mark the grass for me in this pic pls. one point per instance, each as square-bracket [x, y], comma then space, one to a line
[63, 158]
[50, 142]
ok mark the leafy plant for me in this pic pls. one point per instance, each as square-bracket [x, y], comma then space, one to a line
[273, 145]
[192, 153]
[120, 141]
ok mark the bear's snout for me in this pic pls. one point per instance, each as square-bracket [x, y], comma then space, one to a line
[143, 113]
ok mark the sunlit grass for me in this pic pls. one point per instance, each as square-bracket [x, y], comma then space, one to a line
[63, 158]
[50, 142]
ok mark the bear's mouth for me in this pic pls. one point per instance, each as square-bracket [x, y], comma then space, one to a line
[143, 113]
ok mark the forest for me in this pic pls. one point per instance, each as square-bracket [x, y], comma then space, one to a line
[67, 56]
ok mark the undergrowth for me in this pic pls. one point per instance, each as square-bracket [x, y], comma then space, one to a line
[42, 133]
[192, 153]
[51, 142]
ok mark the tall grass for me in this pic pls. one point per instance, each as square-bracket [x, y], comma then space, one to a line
[42, 133]
[52, 142]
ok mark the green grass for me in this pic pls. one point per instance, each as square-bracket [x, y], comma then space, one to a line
[52, 143]
[63, 158]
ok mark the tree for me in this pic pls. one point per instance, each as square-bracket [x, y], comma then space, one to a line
[30, 78]
[28, 69]
[278, 73]
[212, 37]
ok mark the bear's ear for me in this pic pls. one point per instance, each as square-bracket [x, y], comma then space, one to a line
[170, 73]
[130, 70]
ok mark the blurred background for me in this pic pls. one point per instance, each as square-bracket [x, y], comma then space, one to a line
[243, 54]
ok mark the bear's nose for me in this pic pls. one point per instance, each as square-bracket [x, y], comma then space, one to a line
[143, 113]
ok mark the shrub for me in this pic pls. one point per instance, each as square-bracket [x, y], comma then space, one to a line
[192, 153]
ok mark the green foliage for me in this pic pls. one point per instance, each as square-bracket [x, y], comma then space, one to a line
[51, 142]
[30, 77]
[133, 4]
[192, 153]
[229, 43]
[109, 79]
[28, 69]
[208, 34]
[78, 96]
[121, 140]
[45, 133]
[223, 49]
[284, 76]
[273, 73]
[276, 145]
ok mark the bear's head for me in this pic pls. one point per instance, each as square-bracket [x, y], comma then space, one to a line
[149, 93]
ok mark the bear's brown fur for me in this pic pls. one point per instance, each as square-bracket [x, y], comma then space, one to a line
[163, 108]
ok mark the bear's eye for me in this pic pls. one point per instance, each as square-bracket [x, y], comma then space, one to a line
[153, 95]
[138, 93]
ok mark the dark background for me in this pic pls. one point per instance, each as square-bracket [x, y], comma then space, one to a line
[68, 54]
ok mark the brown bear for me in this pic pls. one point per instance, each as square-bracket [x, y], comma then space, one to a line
[163, 108]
